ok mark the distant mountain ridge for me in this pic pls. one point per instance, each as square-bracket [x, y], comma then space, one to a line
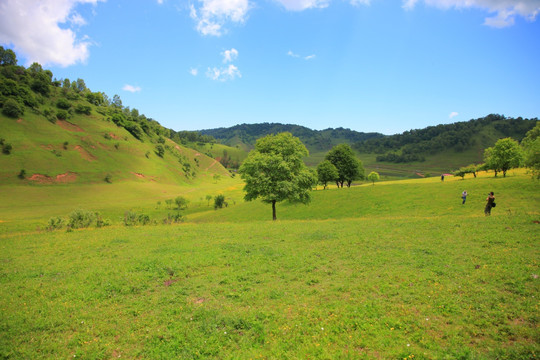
[245, 135]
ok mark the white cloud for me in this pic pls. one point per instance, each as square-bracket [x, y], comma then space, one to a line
[131, 88]
[360, 2]
[33, 29]
[194, 71]
[453, 114]
[212, 15]
[505, 10]
[223, 74]
[229, 55]
[299, 5]
[294, 55]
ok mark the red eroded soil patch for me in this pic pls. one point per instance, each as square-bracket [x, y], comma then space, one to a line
[85, 154]
[139, 175]
[66, 125]
[20, 120]
[64, 178]
[116, 137]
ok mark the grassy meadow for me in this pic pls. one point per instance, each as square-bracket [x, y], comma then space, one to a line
[398, 270]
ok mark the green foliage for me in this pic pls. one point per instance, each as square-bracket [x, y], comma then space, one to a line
[531, 147]
[62, 103]
[348, 166]
[7, 57]
[373, 176]
[62, 115]
[6, 148]
[326, 172]
[22, 174]
[181, 202]
[108, 178]
[219, 201]
[160, 150]
[79, 219]
[132, 218]
[274, 171]
[12, 108]
[83, 109]
[173, 219]
[56, 223]
[505, 155]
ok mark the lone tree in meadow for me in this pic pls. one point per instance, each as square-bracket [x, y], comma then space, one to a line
[503, 156]
[373, 176]
[326, 172]
[348, 166]
[274, 171]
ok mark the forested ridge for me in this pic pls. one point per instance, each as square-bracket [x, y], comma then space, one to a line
[245, 135]
[414, 145]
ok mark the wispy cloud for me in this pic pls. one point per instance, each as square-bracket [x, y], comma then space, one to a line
[453, 114]
[294, 55]
[194, 71]
[212, 15]
[505, 11]
[45, 31]
[223, 74]
[300, 5]
[131, 88]
[229, 55]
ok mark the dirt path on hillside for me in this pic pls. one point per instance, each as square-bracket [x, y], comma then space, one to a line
[67, 177]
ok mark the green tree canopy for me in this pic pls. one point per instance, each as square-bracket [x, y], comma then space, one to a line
[275, 171]
[373, 176]
[326, 172]
[531, 147]
[503, 156]
[348, 166]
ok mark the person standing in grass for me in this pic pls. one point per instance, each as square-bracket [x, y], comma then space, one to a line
[464, 196]
[490, 203]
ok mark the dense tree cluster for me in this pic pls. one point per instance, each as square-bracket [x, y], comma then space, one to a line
[412, 145]
[349, 168]
[247, 134]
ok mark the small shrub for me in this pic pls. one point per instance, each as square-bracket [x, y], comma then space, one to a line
[108, 178]
[62, 115]
[12, 108]
[6, 148]
[57, 153]
[219, 201]
[22, 174]
[132, 219]
[107, 136]
[65, 145]
[160, 150]
[83, 109]
[181, 202]
[80, 219]
[63, 104]
[174, 218]
[56, 223]
[117, 146]
[147, 154]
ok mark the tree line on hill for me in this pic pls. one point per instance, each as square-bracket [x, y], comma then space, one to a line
[413, 145]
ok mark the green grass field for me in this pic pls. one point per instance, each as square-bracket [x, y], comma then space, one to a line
[398, 270]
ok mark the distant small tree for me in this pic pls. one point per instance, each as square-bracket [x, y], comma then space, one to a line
[348, 166]
[108, 178]
[219, 201]
[181, 202]
[503, 156]
[6, 148]
[326, 172]
[208, 198]
[373, 176]
[22, 174]
[160, 150]
[169, 203]
[217, 177]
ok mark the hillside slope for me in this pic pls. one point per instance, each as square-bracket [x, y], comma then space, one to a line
[68, 134]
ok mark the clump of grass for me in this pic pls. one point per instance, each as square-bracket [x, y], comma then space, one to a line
[132, 218]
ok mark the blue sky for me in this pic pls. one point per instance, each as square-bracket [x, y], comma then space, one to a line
[368, 65]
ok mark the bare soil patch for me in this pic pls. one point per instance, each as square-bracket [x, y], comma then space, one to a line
[85, 154]
[66, 125]
[64, 178]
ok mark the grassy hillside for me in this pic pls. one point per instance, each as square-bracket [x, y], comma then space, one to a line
[66, 136]
[391, 271]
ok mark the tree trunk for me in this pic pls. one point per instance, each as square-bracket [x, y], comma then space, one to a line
[274, 210]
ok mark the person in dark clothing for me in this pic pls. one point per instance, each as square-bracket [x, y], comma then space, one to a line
[490, 203]
[464, 196]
